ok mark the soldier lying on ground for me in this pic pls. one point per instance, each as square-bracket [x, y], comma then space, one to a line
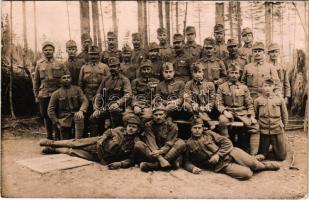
[209, 150]
[114, 147]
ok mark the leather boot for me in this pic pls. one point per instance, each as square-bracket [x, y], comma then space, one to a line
[269, 165]
[46, 142]
[147, 166]
[48, 150]
[79, 128]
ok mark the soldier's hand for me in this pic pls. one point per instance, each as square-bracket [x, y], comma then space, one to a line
[214, 159]
[195, 107]
[156, 153]
[137, 109]
[96, 114]
[196, 170]
[114, 106]
[253, 120]
[114, 165]
[79, 115]
[228, 114]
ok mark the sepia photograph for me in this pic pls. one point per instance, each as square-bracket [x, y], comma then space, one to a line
[154, 99]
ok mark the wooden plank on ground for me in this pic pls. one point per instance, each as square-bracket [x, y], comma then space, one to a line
[50, 163]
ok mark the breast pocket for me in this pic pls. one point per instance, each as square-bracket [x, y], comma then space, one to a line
[42, 74]
[275, 109]
[215, 72]
[63, 103]
[249, 77]
[58, 72]
[75, 102]
[227, 98]
[239, 97]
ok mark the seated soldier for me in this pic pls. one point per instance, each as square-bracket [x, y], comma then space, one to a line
[112, 96]
[128, 68]
[199, 94]
[159, 146]
[170, 91]
[114, 147]
[272, 115]
[209, 150]
[235, 104]
[66, 109]
[143, 90]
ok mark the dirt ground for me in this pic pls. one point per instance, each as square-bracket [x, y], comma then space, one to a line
[97, 181]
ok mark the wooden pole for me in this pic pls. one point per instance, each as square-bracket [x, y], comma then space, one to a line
[268, 25]
[171, 19]
[84, 17]
[230, 16]
[94, 24]
[167, 20]
[140, 16]
[145, 28]
[239, 23]
[177, 17]
[160, 10]
[35, 32]
[185, 20]
[11, 60]
[103, 29]
[220, 13]
[114, 16]
[68, 15]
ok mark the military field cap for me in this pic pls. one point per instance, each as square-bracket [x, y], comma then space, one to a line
[233, 67]
[48, 43]
[70, 43]
[126, 49]
[168, 66]
[146, 62]
[231, 42]
[209, 42]
[93, 50]
[177, 37]
[218, 28]
[258, 45]
[159, 107]
[130, 118]
[196, 121]
[161, 30]
[136, 36]
[269, 80]
[112, 61]
[273, 47]
[111, 35]
[197, 66]
[190, 29]
[246, 31]
[85, 36]
[153, 46]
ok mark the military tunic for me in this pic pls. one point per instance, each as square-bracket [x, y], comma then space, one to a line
[74, 65]
[138, 55]
[143, 91]
[130, 70]
[193, 50]
[165, 52]
[241, 60]
[110, 53]
[221, 50]
[284, 79]
[182, 62]
[246, 50]
[170, 90]
[214, 69]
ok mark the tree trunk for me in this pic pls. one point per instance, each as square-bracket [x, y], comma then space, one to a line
[177, 17]
[11, 67]
[25, 50]
[145, 28]
[167, 20]
[35, 32]
[268, 25]
[68, 16]
[84, 17]
[103, 29]
[140, 16]
[230, 16]
[160, 10]
[239, 23]
[96, 24]
[199, 22]
[114, 16]
[185, 20]
[220, 13]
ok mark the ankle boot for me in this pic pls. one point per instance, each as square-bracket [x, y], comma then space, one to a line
[48, 150]
[147, 166]
[46, 142]
[269, 165]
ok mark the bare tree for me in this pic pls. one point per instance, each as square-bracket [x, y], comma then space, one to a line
[25, 50]
[167, 20]
[239, 22]
[84, 17]
[177, 17]
[268, 22]
[160, 10]
[114, 16]
[11, 64]
[145, 28]
[220, 13]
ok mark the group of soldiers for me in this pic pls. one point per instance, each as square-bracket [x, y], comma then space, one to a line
[120, 108]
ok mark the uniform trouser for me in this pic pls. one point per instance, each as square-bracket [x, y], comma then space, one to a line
[93, 126]
[278, 143]
[43, 103]
[143, 152]
[242, 165]
[252, 129]
[67, 132]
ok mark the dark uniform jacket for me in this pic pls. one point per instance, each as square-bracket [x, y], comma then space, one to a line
[130, 70]
[284, 79]
[156, 69]
[200, 150]
[144, 91]
[193, 50]
[138, 55]
[170, 90]
[47, 77]
[214, 69]
[165, 52]
[241, 60]
[182, 64]
[105, 55]
[83, 56]
[246, 50]
[221, 51]
[74, 65]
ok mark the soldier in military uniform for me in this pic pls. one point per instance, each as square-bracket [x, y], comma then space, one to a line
[255, 73]
[181, 59]
[128, 68]
[86, 42]
[191, 48]
[272, 115]
[199, 94]
[73, 64]
[234, 57]
[274, 53]
[112, 48]
[138, 53]
[214, 69]
[154, 56]
[165, 51]
[47, 77]
[246, 49]
[90, 77]
[235, 104]
[67, 107]
[113, 95]
[211, 151]
[221, 48]
[159, 146]
[113, 148]
[143, 89]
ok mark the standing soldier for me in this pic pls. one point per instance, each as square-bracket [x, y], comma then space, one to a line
[234, 56]
[86, 42]
[246, 49]
[180, 59]
[67, 107]
[159, 145]
[143, 89]
[128, 68]
[47, 77]
[235, 104]
[221, 49]
[165, 51]
[255, 73]
[112, 96]
[153, 55]
[214, 69]
[112, 48]
[138, 53]
[89, 81]
[274, 53]
[73, 64]
[192, 49]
